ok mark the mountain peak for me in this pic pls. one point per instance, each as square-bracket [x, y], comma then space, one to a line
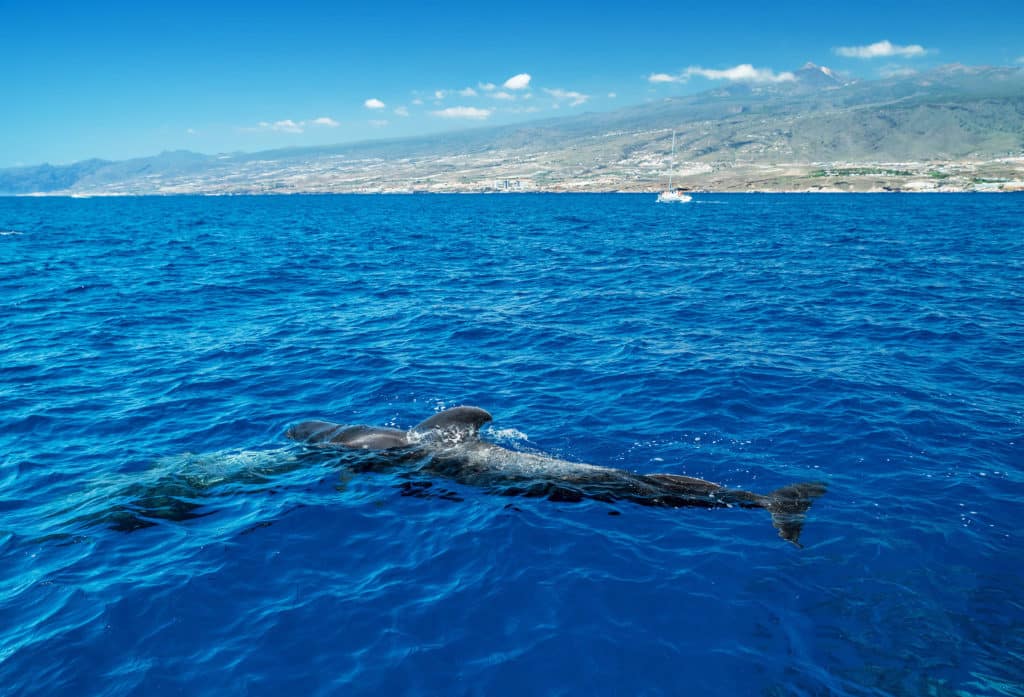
[818, 75]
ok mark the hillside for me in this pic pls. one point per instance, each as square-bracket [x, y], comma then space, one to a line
[956, 127]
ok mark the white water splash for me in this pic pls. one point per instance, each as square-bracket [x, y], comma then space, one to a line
[508, 434]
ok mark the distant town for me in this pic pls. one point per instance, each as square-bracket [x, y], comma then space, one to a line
[536, 173]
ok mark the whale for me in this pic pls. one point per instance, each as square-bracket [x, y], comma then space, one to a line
[449, 445]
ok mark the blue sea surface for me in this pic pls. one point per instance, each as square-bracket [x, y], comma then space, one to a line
[160, 535]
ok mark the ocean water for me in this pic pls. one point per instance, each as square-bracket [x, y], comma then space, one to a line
[160, 535]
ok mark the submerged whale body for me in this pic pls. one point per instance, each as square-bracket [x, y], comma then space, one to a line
[451, 442]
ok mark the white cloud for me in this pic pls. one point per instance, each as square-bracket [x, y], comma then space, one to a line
[402, 111]
[612, 95]
[744, 72]
[288, 125]
[374, 104]
[440, 94]
[574, 98]
[463, 112]
[378, 123]
[486, 86]
[502, 95]
[191, 131]
[880, 49]
[468, 92]
[517, 82]
[284, 126]
[417, 101]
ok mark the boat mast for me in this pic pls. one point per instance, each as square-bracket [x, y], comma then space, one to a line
[673, 160]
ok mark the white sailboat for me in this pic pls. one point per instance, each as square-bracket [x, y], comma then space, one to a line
[671, 195]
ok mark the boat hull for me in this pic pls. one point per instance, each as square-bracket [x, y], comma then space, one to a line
[674, 197]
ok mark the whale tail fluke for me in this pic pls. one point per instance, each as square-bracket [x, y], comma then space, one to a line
[788, 507]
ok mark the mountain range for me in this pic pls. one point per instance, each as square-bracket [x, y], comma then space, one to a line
[954, 127]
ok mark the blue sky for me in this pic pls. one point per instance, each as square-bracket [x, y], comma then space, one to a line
[118, 79]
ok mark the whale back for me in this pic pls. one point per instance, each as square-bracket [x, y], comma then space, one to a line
[370, 438]
[362, 437]
[457, 424]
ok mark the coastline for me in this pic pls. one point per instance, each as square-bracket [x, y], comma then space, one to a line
[512, 175]
[491, 192]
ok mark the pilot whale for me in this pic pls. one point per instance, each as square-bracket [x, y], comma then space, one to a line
[450, 443]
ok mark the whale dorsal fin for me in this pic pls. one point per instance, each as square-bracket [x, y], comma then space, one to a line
[458, 423]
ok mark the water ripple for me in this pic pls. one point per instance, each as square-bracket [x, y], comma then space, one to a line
[154, 350]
